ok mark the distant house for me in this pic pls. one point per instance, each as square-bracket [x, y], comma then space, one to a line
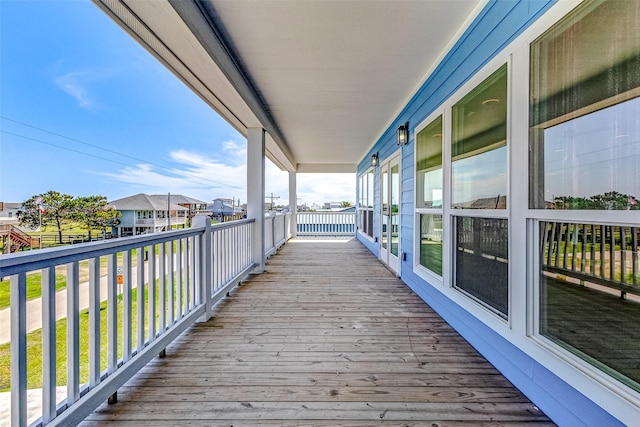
[143, 213]
[194, 206]
[336, 207]
[8, 212]
[225, 208]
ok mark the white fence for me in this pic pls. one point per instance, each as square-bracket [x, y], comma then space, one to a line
[326, 223]
[130, 321]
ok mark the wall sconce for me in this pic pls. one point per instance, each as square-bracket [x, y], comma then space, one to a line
[374, 160]
[403, 134]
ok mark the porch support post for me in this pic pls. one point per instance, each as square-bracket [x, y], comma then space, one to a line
[255, 193]
[293, 202]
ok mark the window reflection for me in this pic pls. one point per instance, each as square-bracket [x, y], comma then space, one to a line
[592, 162]
[429, 165]
[431, 242]
[479, 150]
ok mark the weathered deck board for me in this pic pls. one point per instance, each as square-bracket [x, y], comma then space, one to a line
[327, 336]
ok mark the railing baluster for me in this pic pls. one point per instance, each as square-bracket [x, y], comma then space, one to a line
[545, 244]
[172, 294]
[73, 333]
[623, 256]
[48, 344]
[179, 279]
[593, 250]
[151, 293]
[112, 314]
[603, 241]
[583, 259]
[197, 272]
[192, 272]
[634, 254]
[18, 304]
[574, 245]
[612, 253]
[127, 321]
[162, 287]
[187, 294]
[140, 298]
[94, 321]
[566, 237]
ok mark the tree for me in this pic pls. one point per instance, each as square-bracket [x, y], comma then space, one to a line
[50, 208]
[93, 212]
[345, 204]
[611, 200]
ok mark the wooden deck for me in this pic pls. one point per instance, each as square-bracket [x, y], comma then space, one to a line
[327, 336]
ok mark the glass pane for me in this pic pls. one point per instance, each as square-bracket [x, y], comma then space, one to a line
[385, 226]
[384, 182]
[431, 242]
[370, 189]
[479, 151]
[584, 111]
[482, 266]
[395, 208]
[590, 294]
[429, 165]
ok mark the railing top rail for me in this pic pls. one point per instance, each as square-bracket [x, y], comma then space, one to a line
[325, 213]
[231, 224]
[27, 261]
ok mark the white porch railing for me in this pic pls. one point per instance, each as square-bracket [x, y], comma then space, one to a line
[191, 268]
[277, 230]
[326, 223]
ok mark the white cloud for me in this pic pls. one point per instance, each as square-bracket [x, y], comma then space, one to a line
[208, 177]
[78, 84]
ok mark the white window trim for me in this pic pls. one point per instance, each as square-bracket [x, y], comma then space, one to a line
[418, 269]
[362, 233]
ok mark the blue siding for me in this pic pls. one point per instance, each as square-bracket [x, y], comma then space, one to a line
[499, 23]
[128, 219]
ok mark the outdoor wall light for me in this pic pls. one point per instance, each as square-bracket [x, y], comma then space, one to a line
[374, 160]
[403, 134]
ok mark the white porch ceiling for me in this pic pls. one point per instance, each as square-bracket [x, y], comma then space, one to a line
[324, 78]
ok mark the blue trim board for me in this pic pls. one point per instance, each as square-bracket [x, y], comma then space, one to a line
[558, 400]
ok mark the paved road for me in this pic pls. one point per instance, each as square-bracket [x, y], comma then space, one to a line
[34, 307]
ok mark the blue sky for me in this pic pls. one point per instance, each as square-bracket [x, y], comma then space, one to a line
[85, 110]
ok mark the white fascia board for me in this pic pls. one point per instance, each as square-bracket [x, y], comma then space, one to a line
[277, 155]
[327, 168]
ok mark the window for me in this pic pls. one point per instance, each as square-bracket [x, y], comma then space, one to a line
[481, 268]
[365, 203]
[479, 146]
[585, 152]
[429, 194]
[479, 181]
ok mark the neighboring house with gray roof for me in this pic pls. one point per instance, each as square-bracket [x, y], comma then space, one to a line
[143, 213]
[193, 205]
